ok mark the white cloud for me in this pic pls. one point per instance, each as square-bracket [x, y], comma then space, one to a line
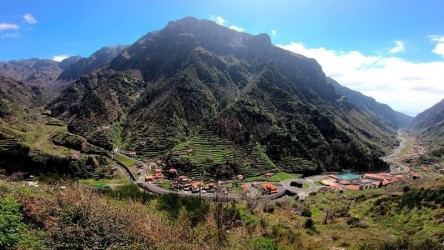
[399, 47]
[406, 86]
[222, 21]
[274, 32]
[29, 19]
[234, 27]
[59, 58]
[439, 48]
[218, 19]
[8, 26]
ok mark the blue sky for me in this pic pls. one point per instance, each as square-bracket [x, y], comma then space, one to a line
[401, 41]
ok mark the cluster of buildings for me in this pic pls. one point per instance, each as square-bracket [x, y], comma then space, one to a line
[366, 181]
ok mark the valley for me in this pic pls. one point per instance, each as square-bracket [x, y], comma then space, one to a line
[201, 136]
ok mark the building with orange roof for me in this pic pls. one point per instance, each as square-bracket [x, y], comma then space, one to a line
[353, 187]
[377, 177]
[345, 182]
[377, 183]
[269, 188]
[149, 177]
[196, 186]
[209, 186]
[245, 188]
[183, 178]
[386, 182]
[335, 187]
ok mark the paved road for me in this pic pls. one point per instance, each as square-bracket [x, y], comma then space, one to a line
[301, 192]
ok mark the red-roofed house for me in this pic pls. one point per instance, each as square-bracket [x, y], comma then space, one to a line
[345, 182]
[374, 177]
[269, 188]
[353, 187]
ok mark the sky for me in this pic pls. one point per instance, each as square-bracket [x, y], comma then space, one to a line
[390, 50]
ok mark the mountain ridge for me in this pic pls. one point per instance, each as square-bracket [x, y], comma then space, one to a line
[195, 76]
[375, 109]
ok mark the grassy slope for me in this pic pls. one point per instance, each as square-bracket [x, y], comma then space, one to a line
[373, 219]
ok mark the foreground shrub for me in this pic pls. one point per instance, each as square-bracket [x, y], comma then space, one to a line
[196, 208]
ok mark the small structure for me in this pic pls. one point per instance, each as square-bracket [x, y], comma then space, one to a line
[131, 154]
[333, 176]
[245, 188]
[149, 177]
[414, 175]
[158, 173]
[187, 186]
[189, 151]
[240, 177]
[172, 173]
[345, 182]
[183, 178]
[75, 156]
[353, 187]
[142, 143]
[196, 186]
[152, 165]
[377, 177]
[209, 186]
[269, 188]
[268, 175]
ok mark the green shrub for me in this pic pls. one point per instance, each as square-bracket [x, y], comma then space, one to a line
[130, 191]
[196, 208]
[13, 231]
[309, 223]
[264, 244]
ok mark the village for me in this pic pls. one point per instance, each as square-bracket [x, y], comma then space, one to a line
[157, 177]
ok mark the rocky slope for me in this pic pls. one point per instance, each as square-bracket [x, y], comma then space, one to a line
[377, 112]
[194, 82]
[91, 63]
[429, 125]
[35, 71]
[16, 97]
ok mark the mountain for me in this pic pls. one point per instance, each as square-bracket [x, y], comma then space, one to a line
[16, 97]
[35, 71]
[93, 62]
[429, 125]
[211, 100]
[374, 109]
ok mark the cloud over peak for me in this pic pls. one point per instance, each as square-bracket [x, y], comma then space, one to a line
[8, 26]
[29, 19]
[222, 21]
[399, 47]
[59, 58]
[218, 19]
[234, 27]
